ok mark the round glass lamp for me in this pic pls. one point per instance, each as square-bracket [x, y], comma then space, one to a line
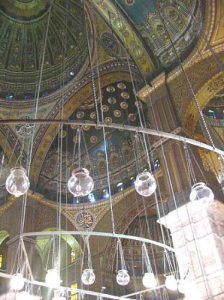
[88, 277]
[17, 183]
[52, 278]
[145, 184]
[17, 282]
[80, 184]
[149, 281]
[123, 277]
[200, 191]
[171, 283]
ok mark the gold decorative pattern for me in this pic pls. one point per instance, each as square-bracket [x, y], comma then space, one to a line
[126, 34]
[204, 95]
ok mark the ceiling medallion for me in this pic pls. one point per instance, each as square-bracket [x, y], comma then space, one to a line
[86, 127]
[25, 10]
[108, 120]
[105, 108]
[121, 86]
[110, 89]
[111, 100]
[117, 113]
[93, 115]
[84, 220]
[124, 105]
[132, 117]
[125, 95]
[93, 139]
[80, 114]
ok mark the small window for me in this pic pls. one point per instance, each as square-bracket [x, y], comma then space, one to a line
[1, 260]
[74, 296]
[73, 256]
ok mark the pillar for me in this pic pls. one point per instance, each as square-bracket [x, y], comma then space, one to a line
[197, 232]
[12, 257]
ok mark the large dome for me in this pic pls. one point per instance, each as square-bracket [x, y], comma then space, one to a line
[23, 25]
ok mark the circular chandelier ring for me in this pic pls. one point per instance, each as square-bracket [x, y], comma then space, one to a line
[99, 234]
[148, 131]
[86, 292]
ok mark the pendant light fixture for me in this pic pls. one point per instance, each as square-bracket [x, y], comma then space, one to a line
[17, 183]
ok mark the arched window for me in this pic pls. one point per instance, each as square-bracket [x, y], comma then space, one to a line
[4, 236]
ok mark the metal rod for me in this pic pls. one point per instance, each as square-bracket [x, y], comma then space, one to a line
[95, 233]
[26, 258]
[153, 132]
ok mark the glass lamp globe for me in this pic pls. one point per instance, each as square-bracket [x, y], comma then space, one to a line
[200, 191]
[17, 282]
[88, 277]
[149, 281]
[123, 277]
[80, 184]
[52, 278]
[145, 184]
[17, 183]
[171, 283]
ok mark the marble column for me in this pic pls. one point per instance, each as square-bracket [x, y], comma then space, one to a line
[197, 232]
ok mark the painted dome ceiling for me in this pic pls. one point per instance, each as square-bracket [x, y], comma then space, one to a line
[119, 106]
[23, 25]
[163, 22]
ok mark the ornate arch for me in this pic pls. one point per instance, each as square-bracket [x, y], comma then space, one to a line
[204, 95]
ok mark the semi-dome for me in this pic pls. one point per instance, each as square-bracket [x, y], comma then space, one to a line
[23, 26]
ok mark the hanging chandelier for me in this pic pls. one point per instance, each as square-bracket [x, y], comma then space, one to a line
[82, 183]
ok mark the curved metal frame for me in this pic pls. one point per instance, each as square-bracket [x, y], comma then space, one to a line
[148, 131]
[99, 234]
[85, 292]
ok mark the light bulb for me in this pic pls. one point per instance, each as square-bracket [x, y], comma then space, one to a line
[145, 184]
[52, 278]
[17, 183]
[88, 277]
[80, 184]
[200, 191]
[123, 277]
[171, 283]
[149, 280]
[17, 282]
